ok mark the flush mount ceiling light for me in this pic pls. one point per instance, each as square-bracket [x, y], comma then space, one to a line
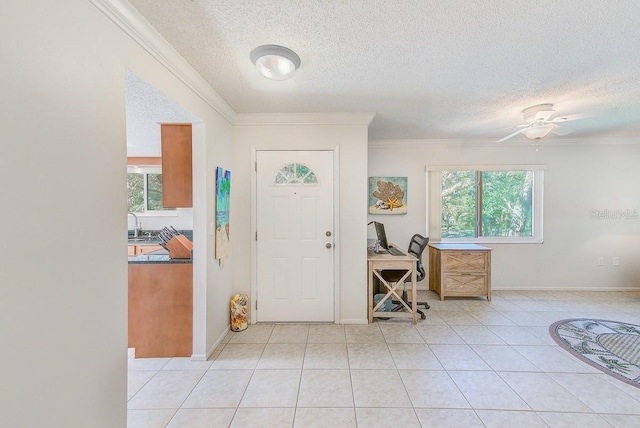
[275, 62]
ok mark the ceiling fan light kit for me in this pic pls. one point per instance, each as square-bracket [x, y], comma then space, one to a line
[535, 132]
[538, 122]
[275, 62]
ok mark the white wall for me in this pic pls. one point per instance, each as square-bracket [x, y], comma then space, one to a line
[180, 219]
[63, 275]
[309, 132]
[580, 176]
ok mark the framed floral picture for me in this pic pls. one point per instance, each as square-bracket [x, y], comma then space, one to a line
[388, 195]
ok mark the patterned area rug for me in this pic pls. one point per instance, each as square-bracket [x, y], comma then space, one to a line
[611, 346]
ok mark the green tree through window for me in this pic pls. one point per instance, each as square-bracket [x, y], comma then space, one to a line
[135, 190]
[145, 192]
[502, 200]
[154, 192]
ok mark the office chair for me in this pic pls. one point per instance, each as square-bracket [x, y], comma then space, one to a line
[416, 247]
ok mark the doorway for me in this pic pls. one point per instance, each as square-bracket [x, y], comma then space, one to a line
[145, 108]
[295, 257]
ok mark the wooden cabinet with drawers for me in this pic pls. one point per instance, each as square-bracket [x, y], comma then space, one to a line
[460, 270]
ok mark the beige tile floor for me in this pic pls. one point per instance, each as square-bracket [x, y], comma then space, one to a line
[471, 363]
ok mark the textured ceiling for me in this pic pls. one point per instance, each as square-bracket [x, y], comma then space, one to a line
[146, 108]
[427, 68]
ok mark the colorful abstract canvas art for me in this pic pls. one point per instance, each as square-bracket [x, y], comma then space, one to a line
[223, 191]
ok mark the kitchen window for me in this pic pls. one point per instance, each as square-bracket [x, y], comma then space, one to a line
[144, 187]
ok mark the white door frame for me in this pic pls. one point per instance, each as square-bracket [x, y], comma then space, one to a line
[336, 220]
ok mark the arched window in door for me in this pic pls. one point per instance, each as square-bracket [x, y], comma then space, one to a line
[295, 174]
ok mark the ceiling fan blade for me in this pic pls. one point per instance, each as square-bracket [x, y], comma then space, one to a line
[561, 130]
[544, 114]
[520, 131]
[568, 118]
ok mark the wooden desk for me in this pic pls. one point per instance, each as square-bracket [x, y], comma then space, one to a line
[382, 261]
[460, 270]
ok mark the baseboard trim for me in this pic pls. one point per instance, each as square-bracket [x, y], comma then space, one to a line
[355, 321]
[603, 289]
[205, 357]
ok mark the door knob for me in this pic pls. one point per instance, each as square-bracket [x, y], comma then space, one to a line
[328, 245]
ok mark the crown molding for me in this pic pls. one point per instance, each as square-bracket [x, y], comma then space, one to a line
[427, 143]
[346, 118]
[125, 16]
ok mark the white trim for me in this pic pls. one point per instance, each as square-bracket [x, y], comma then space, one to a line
[205, 357]
[254, 243]
[486, 167]
[346, 118]
[547, 142]
[253, 231]
[125, 16]
[157, 214]
[336, 235]
[433, 213]
[355, 321]
[427, 206]
[336, 223]
[200, 237]
[434, 209]
[413, 144]
[564, 288]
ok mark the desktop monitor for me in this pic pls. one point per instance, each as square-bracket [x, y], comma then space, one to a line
[381, 235]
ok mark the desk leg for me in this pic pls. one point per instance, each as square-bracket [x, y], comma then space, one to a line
[414, 294]
[370, 293]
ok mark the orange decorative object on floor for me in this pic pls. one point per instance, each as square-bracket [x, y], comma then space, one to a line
[239, 312]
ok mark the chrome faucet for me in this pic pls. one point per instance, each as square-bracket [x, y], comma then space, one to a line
[136, 226]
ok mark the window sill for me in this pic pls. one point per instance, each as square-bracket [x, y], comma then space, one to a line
[158, 214]
[481, 241]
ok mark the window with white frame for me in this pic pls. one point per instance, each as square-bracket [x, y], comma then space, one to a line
[485, 204]
[144, 188]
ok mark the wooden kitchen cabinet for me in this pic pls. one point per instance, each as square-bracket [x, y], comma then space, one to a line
[177, 177]
[460, 270]
[136, 250]
[161, 309]
[144, 249]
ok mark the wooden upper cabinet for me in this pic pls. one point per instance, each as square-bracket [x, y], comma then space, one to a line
[177, 179]
[143, 161]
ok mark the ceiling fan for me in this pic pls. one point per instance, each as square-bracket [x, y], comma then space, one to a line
[538, 123]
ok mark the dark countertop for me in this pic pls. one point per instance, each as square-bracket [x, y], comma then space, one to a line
[151, 236]
[156, 257]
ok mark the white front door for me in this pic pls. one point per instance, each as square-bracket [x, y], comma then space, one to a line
[294, 218]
